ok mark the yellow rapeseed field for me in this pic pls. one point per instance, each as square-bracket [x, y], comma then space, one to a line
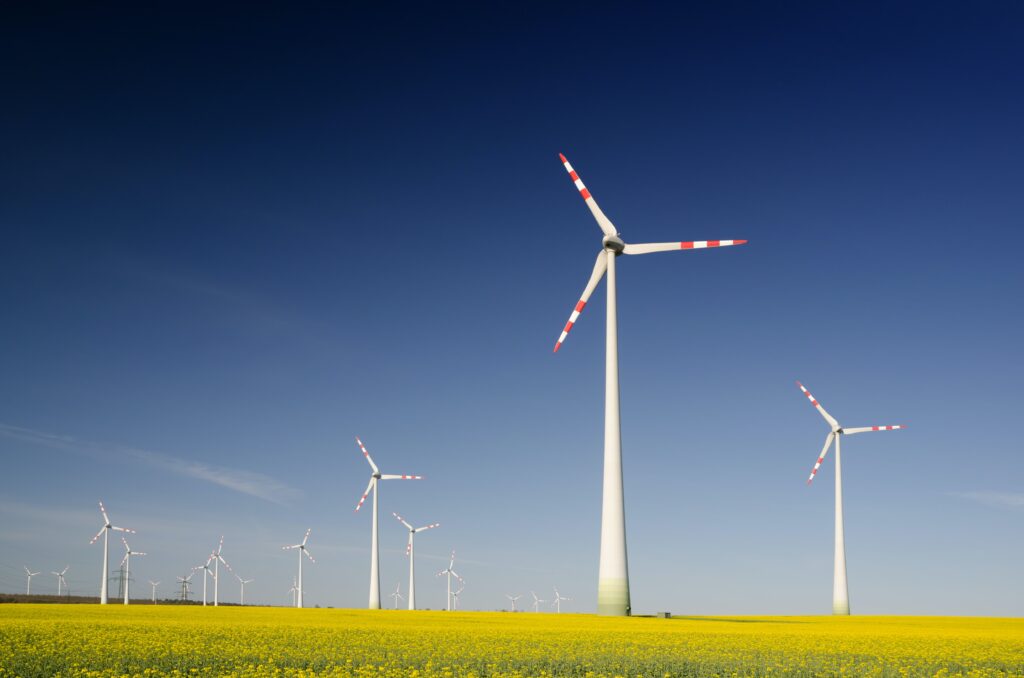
[147, 640]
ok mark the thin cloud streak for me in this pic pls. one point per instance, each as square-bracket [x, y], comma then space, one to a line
[246, 482]
[994, 499]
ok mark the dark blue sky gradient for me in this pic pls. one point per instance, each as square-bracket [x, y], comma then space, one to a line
[239, 238]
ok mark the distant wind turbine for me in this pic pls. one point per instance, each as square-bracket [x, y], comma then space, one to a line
[397, 595]
[557, 604]
[613, 573]
[61, 581]
[29, 573]
[154, 584]
[457, 593]
[374, 555]
[293, 591]
[450, 571]
[513, 599]
[537, 601]
[410, 552]
[243, 582]
[105, 533]
[126, 562]
[840, 590]
[186, 585]
[302, 550]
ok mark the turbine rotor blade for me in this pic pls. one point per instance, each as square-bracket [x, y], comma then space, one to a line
[123, 529]
[306, 538]
[400, 477]
[367, 455]
[106, 518]
[427, 527]
[817, 406]
[604, 222]
[365, 494]
[309, 555]
[821, 457]
[647, 248]
[600, 266]
[401, 520]
[865, 429]
[98, 535]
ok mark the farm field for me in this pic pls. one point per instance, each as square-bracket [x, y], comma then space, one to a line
[81, 640]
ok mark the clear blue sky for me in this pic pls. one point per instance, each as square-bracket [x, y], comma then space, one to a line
[232, 241]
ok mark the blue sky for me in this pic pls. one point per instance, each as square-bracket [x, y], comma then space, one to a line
[234, 241]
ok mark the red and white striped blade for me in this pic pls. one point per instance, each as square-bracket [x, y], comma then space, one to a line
[821, 457]
[367, 455]
[401, 520]
[817, 406]
[365, 494]
[600, 266]
[98, 535]
[309, 555]
[427, 527]
[865, 429]
[306, 538]
[602, 221]
[122, 529]
[400, 477]
[106, 518]
[647, 248]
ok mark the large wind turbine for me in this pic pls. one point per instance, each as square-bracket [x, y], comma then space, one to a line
[29, 574]
[207, 572]
[410, 551]
[105, 533]
[126, 562]
[302, 550]
[374, 556]
[840, 590]
[613, 572]
[61, 581]
[217, 560]
[450, 571]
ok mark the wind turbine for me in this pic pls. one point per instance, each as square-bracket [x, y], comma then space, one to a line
[450, 571]
[29, 573]
[217, 560]
[536, 601]
[410, 552]
[840, 589]
[127, 563]
[243, 582]
[186, 584]
[513, 599]
[397, 595]
[613, 572]
[207, 571]
[293, 590]
[302, 549]
[557, 603]
[61, 581]
[154, 584]
[374, 556]
[456, 594]
[105, 532]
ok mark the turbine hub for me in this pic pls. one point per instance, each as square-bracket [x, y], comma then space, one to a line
[613, 243]
[377, 476]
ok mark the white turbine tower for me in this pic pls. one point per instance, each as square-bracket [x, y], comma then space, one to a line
[450, 571]
[126, 562]
[410, 552]
[840, 590]
[61, 581]
[242, 583]
[374, 556]
[207, 572]
[154, 584]
[513, 599]
[613, 573]
[536, 601]
[29, 573]
[105, 533]
[397, 595]
[217, 560]
[302, 550]
[557, 603]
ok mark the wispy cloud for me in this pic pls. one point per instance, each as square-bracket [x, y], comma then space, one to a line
[239, 480]
[1013, 500]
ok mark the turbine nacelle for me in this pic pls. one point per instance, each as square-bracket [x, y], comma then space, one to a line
[613, 243]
